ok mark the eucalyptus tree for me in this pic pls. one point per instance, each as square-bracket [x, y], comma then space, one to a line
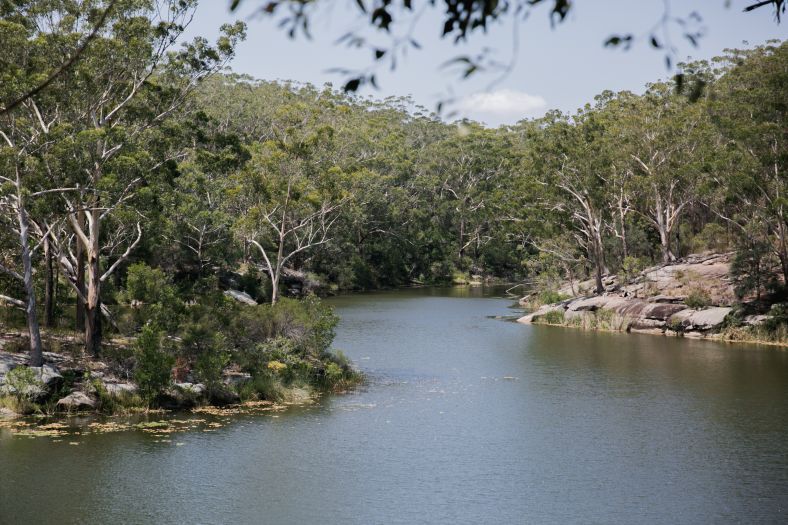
[567, 158]
[115, 100]
[461, 172]
[287, 198]
[667, 138]
[748, 105]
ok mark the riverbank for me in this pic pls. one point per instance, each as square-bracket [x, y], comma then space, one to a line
[693, 297]
[69, 384]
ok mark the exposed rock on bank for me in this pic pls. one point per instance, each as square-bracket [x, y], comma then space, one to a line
[655, 301]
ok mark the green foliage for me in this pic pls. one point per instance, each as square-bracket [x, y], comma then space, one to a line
[631, 267]
[777, 318]
[153, 363]
[553, 317]
[713, 237]
[751, 268]
[23, 385]
[152, 298]
[698, 299]
[550, 297]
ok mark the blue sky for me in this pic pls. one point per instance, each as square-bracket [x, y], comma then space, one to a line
[561, 67]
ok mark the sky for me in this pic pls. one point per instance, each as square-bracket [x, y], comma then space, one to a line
[561, 67]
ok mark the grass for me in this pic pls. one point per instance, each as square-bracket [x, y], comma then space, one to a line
[756, 334]
[553, 317]
[602, 320]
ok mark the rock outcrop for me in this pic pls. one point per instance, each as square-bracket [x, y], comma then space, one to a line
[655, 301]
[76, 401]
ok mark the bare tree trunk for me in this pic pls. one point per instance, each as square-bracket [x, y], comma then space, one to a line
[664, 239]
[782, 250]
[49, 286]
[275, 289]
[93, 303]
[36, 354]
[462, 238]
[599, 264]
[623, 233]
[80, 277]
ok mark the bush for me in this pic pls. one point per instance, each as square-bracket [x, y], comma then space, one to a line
[777, 317]
[309, 325]
[205, 348]
[553, 317]
[550, 297]
[698, 299]
[631, 267]
[714, 237]
[153, 364]
[153, 298]
[22, 389]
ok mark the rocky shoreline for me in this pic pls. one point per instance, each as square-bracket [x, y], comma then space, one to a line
[693, 297]
[67, 386]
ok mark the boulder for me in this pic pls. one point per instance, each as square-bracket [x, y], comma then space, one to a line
[755, 320]
[120, 389]
[662, 311]
[588, 304]
[236, 378]
[527, 319]
[224, 396]
[48, 375]
[76, 401]
[241, 297]
[670, 299]
[196, 389]
[700, 320]
[8, 362]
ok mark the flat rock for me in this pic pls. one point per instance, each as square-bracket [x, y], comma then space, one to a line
[700, 320]
[236, 378]
[529, 318]
[197, 389]
[241, 297]
[120, 389]
[670, 299]
[76, 401]
[48, 375]
[755, 320]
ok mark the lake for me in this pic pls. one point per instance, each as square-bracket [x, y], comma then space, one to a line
[465, 419]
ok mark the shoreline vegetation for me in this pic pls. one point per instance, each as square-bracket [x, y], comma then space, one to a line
[225, 355]
[691, 297]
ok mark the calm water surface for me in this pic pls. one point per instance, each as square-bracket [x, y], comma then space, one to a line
[466, 419]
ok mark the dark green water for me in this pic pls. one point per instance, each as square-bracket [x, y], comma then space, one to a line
[593, 428]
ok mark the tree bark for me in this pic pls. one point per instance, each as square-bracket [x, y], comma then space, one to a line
[80, 277]
[93, 303]
[664, 239]
[49, 286]
[36, 354]
[599, 261]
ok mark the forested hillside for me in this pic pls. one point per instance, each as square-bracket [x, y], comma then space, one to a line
[148, 179]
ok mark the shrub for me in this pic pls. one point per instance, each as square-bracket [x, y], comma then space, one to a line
[777, 317]
[714, 237]
[158, 299]
[153, 364]
[630, 267]
[22, 389]
[698, 299]
[206, 349]
[553, 317]
[550, 297]
[262, 386]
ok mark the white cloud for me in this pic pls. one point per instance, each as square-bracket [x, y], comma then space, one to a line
[503, 103]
